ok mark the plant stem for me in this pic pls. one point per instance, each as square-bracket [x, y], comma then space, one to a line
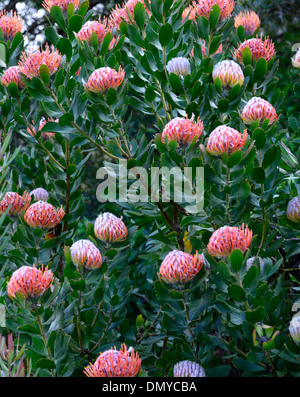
[68, 183]
[263, 234]
[45, 340]
[188, 320]
[121, 132]
[227, 194]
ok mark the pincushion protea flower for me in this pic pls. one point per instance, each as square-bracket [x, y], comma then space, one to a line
[29, 281]
[227, 140]
[296, 59]
[62, 4]
[188, 369]
[40, 194]
[99, 27]
[259, 48]
[180, 267]
[43, 215]
[182, 130]
[18, 203]
[85, 254]
[110, 228]
[250, 262]
[226, 239]
[120, 13]
[45, 134]
[31, 62]
[12, 75]
[115, 363]
[10, 24]
[293, 210]
[179, 66]
[294, 328]
[204, 7]
[249, 20]
[102, 79]
[258, 109]
[229, 73]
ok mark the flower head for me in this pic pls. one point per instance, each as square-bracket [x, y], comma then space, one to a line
[224, 139]
[115, 363]
[294, 328]
[62, 4]
[85, 254]
[229, 73]
[40, 194]
[29, 281]
[110, 228]
[204, 7]
[183, 130]
[249, 20]
[179, 66]
[18, 203]
[10, 24]
[102, 79]
[258, 109]
[45, 134]
[293, 210]
[43, 215]
[251, 262]
[12, 74]
[226, 239]
[180, 267]
[296, 59]
[99, 27]
[120, 13]
[259, 48]
[188, 369]
[31, 62]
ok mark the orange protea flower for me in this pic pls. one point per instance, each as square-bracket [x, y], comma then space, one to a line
[85, 254]
[182, 130]
[120, 13]
[258, 109]
[189, 11]
[203, 7]
[45, 135]
[18, 203]
[102, 79]
[293, 210]
[188, 369]
[31, 62]
[29, 281]
[99, 27]
[224, 139]
[260, 48]
[296, 59]
[110, 228]
[10, 75]
[249, 20]
[115, 363]
[43, 215]
[63, 4]
[226, 239]
[229, 72]
[10, 24]
[180, 267]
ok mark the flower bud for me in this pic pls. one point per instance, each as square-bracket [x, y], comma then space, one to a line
[182, 130]
[259, 48]
[293, 210]
[18, 203]
[40, 194]
[102, 79]
[188, 369]
[229, 73]
[110, 228]
[43, 215]
[249, 20]
[179, 66]
[258, 109]
[296, 59]
[85, 254]
[227, 140]
[294, 328]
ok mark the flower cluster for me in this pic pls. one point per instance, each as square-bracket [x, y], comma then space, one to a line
[293, 210]
[259, 48]
[109, 228]
[188, 369]
[204, 7]
[183, 130]
[125, 12]
[102, 79]
[12, 75]
[179, 66]
[229, 73]
[62, 4]
[100, 28]
[258, 109]
[227, 140]
[43, 215]
[86, 255]
[249, 20]
[15, 203]
[10, 24]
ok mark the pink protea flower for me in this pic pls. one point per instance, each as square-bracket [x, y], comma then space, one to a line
[259, 47]
[249, 20]
[204, 7]
[188, 369]
[99, 27]
[189, 11]
[179, 267]
[18, 203]
[40, 194]
[258, 109]
[62, 4]
[10, 24]
[102, 79]
[43, 215]
[30, 282]
[294, 328]
[293, 210]
[296, 59]
[179, 66]
[12, 74]
[120, 13]
[227, 140]
[31, 62]
[229, 72]
[109, 228]
[226, 239]
[45, 134]
[115, 363]
[182, 130]
[85, 254]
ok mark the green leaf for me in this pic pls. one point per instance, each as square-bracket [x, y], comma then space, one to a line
[236, 293]
[260, 69]
[58, 16]
[250, 276]
[247, 56]
[51, 35]
[13, 89]
[71, 169]
[203, 28]
[214, 16]
[165, 34]
[241, 33]
[78, 285]
[236, 260]
[176, 83]
[215, 44]
[46, 363]
[157, 9]
[234, 159]
[45, 74]
[140, 15]
[105, 43]
[83, 8]
[223, 105]
[256, 315]
[111, 96]
[259, 136]
[134, 36]
[64, 46]
[258, 175]
[74, 25]
[271, 155]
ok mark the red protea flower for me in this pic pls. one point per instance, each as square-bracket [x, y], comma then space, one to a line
[204, 7]
[18, 203]
[188, 369]
[115, 363]
[249, 20]
[10, 24]
[180, 267]
[183, 130]
[31, 62]
[101, 80]
[226, 239]
[260, 48]
[63, 4]
[85, 254]
[258, 109]
[229, 72]
[29, 281]
[40, 194]
[227, 140]
[293, 210]
[110, 228]
[43, 215]
[296, 59]
[120, 13]
[12, 75]
[99, 27]
[45, 135]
